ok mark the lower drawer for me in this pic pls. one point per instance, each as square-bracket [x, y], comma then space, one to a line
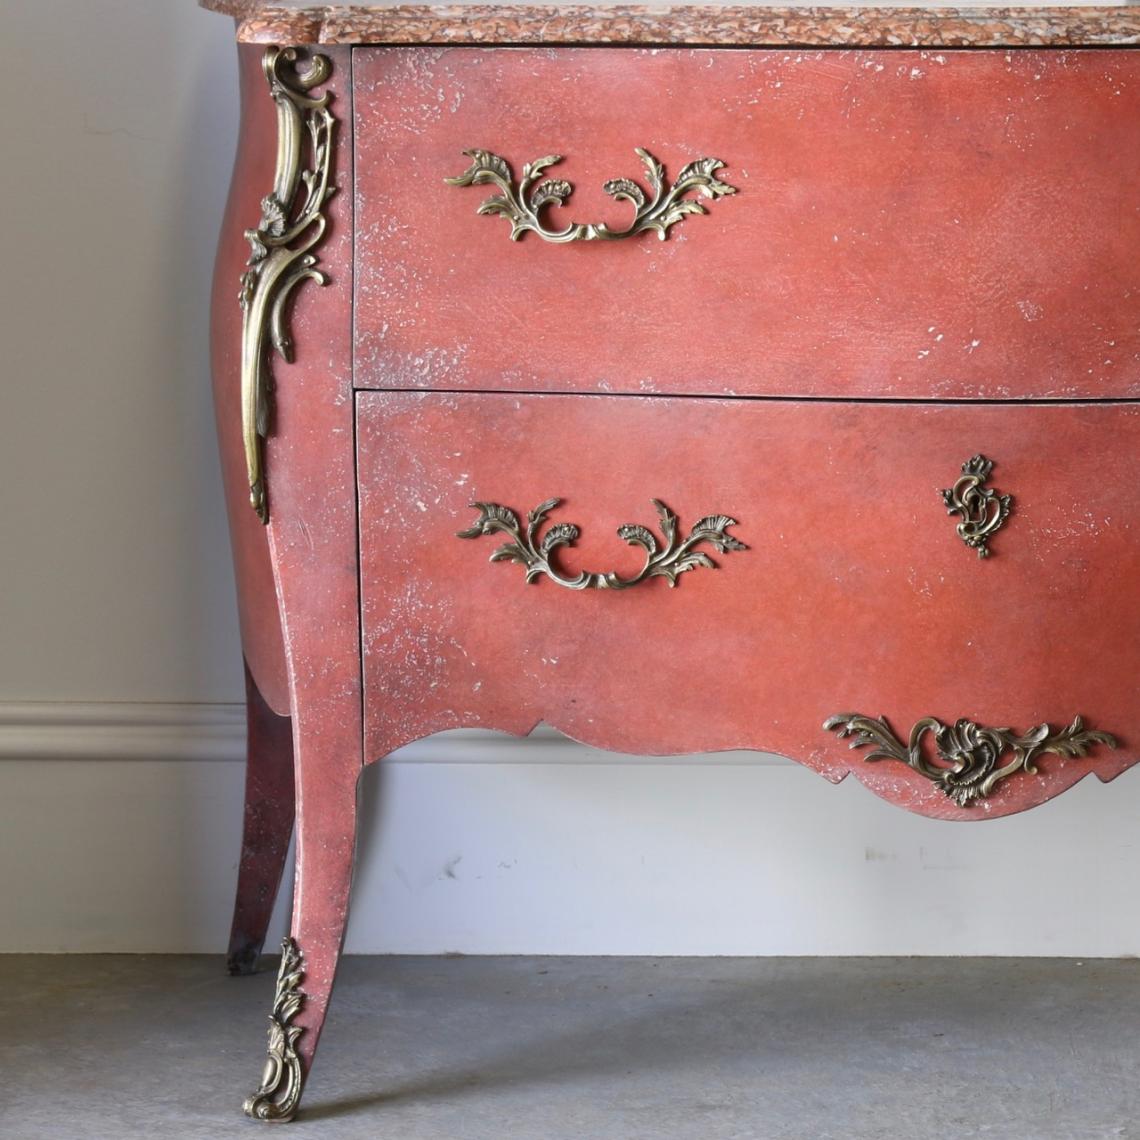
[856, 595]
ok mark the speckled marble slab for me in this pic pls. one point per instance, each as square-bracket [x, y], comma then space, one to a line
[696, 24]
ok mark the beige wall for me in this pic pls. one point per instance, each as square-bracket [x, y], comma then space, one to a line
[117, 139]
[119, 818]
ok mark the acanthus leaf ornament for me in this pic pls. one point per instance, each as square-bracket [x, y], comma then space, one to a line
[292, 223]
[279, 1093]
[535, 552]
[966, 767]
[522, 204]
[983, 510]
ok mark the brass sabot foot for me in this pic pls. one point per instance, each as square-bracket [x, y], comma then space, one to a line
[279, 1093]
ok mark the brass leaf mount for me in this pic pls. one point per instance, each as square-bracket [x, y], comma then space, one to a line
[536, 551]
[983, 509]
[967, 762]
[522, 203]
[292, 223]
[279, 1093]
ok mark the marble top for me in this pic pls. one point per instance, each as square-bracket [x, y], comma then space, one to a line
[297, 22]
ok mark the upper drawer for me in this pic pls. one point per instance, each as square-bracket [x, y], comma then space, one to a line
[956, 224]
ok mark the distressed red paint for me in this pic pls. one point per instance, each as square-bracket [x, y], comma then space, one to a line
[856, 595]
[310, 542]
[907, 223]
[896, 235]
[266, 829]
[252, 178]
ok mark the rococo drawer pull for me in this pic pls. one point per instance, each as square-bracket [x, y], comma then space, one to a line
[534, 552]
[968, 754]
[292, 223]
[522, 204]
[983, 510]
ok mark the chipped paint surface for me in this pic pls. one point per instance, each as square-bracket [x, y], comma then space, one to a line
[905, 227]
[312, 545]
[855, 585]
[904, 224]
[266, 829]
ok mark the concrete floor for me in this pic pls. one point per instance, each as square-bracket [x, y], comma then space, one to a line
[113, 1048]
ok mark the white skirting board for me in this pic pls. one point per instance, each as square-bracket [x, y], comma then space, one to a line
[120, 828]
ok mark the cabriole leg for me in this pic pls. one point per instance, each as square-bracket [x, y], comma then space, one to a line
[326, 835]
[267, 828]
[296, 417]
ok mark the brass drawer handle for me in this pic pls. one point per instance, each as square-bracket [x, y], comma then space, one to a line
[522, 206]
[968, 753]
[533, 552]
[983, 509]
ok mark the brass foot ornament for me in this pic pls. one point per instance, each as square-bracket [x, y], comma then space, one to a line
[528, 549]
[967, 765]
[279, 1093]
[983, 510]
